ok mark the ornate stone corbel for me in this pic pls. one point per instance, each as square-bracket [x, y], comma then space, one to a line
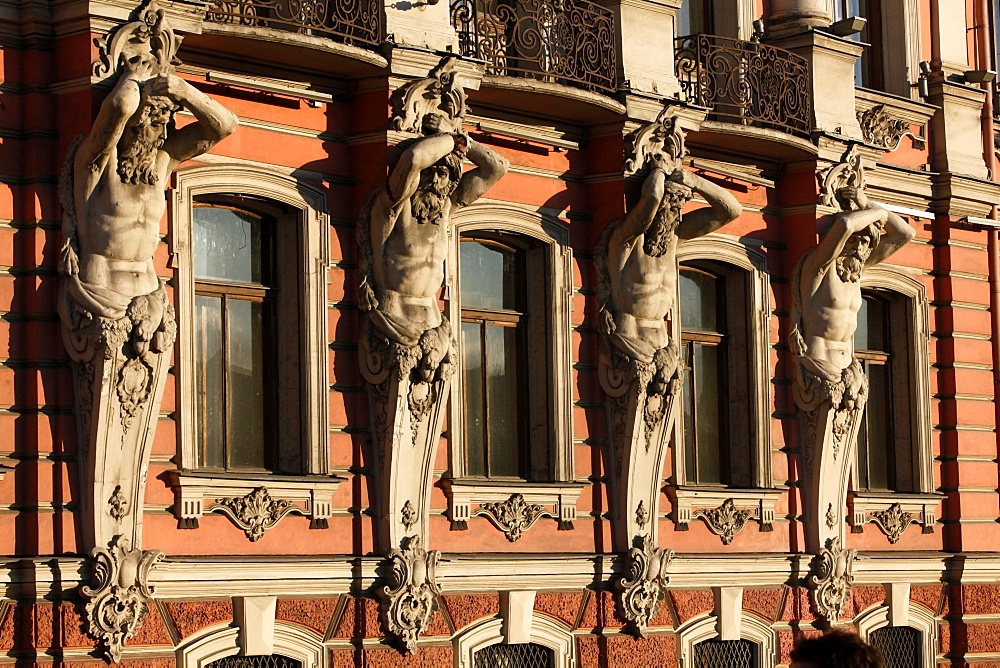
[513, 516]
[725, 521]
[148, 25]
[255, 512]
[880, 129]
[643, 583]
[831, 578]
[119, 594]
[409, 600]
[406, 346]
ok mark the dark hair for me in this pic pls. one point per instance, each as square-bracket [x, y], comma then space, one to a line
[837, 649]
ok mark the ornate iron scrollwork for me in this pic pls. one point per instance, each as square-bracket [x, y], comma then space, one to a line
[347, 21]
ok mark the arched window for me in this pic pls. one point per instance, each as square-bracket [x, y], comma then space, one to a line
[270, 661]
[900, 646]
[879, 464]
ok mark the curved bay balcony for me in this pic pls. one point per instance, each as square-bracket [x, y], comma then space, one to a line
[745, 82]
[351, 22]
[570, 42]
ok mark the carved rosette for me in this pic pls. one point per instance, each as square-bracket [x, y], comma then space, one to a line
[892, 521]
[149, 25]
[513, 516]
[409, 599]
[880, 129]
[642, 583]
[119, 594]
[831, 578]
[848, 173]
[725, 521]
[256, 512]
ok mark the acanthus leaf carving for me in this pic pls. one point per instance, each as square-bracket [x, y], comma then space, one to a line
[410, 597]
[147, 25]
[119, 593]
[831, 578]
[725, 521]
[408, 514]
[513, 516]
[642, 583]
[255, 512]
[848, 173]
[439, 94]
[880, 129]
[892, 521]
[118, 504]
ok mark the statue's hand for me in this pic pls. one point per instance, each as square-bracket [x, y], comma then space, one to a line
[69, 263]
[171, 87]
[138, 68]
[684, 177]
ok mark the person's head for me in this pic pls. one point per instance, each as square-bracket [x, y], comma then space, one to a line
[837, 649]
[437, 183]
[142, 139]
[657, 237]
[857, 249]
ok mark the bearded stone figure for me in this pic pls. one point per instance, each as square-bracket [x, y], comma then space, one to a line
[827, 284]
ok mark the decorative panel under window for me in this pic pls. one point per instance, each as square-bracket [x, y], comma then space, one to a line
[269, 661]
[726, 654]
[524, 655]
[899, 646]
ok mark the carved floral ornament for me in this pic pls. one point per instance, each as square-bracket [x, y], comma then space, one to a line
[409, 599]
[880, 129]
[255, 512]
[848, 173]
[440, 93]
[725, 521]
[831, 579]
[513, 516]
[118, 595]
[663, 137]
[643, 583]
[893, 521]
[148, 27]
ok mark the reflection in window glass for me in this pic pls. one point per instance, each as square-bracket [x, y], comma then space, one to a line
[875, 437]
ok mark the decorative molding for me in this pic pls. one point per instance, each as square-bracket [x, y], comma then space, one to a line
[690, 504]
[409, 599]
[664, 137]
[831, 578]
[643, 582]
[513, 516]
[892, 512]
[119, 593]
[148, 25]
[254, 512]
[545, 631]
[192, 490]
[706, 627]
[408, 515]
[882, 130]
[218, 642]
[725, 521]
[848, 173]
[439, 93]
[555, 500]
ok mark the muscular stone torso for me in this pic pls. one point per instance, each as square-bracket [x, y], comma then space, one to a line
[644, 291]
[121, 234]
[829, 319]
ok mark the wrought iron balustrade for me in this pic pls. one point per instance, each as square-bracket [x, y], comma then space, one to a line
[561, 41]
[750, 83]
[356, 22]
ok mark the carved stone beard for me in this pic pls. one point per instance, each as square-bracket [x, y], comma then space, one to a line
[849, 268]
[139, 148]
[428, 203]
[656, 240]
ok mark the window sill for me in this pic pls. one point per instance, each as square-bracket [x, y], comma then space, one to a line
[272, 497]
[893, 512]
[725, 511]
[512, 506]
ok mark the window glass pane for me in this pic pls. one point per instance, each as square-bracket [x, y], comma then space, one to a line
[475, 407]
[699, 301]
[709, 434]
[209, 364]
[871, 332]
[877, 410]
[246, 384]
[227, 245]
[692, 18]
[502, 379]
[690, 427]
[488, 276]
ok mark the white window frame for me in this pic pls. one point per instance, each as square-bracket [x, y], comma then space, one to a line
[923, 502]
[544, 631]
[560, 492]
[728, 250]
[219, 641]
[313, 487]
[705, 627]
[919, 619]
